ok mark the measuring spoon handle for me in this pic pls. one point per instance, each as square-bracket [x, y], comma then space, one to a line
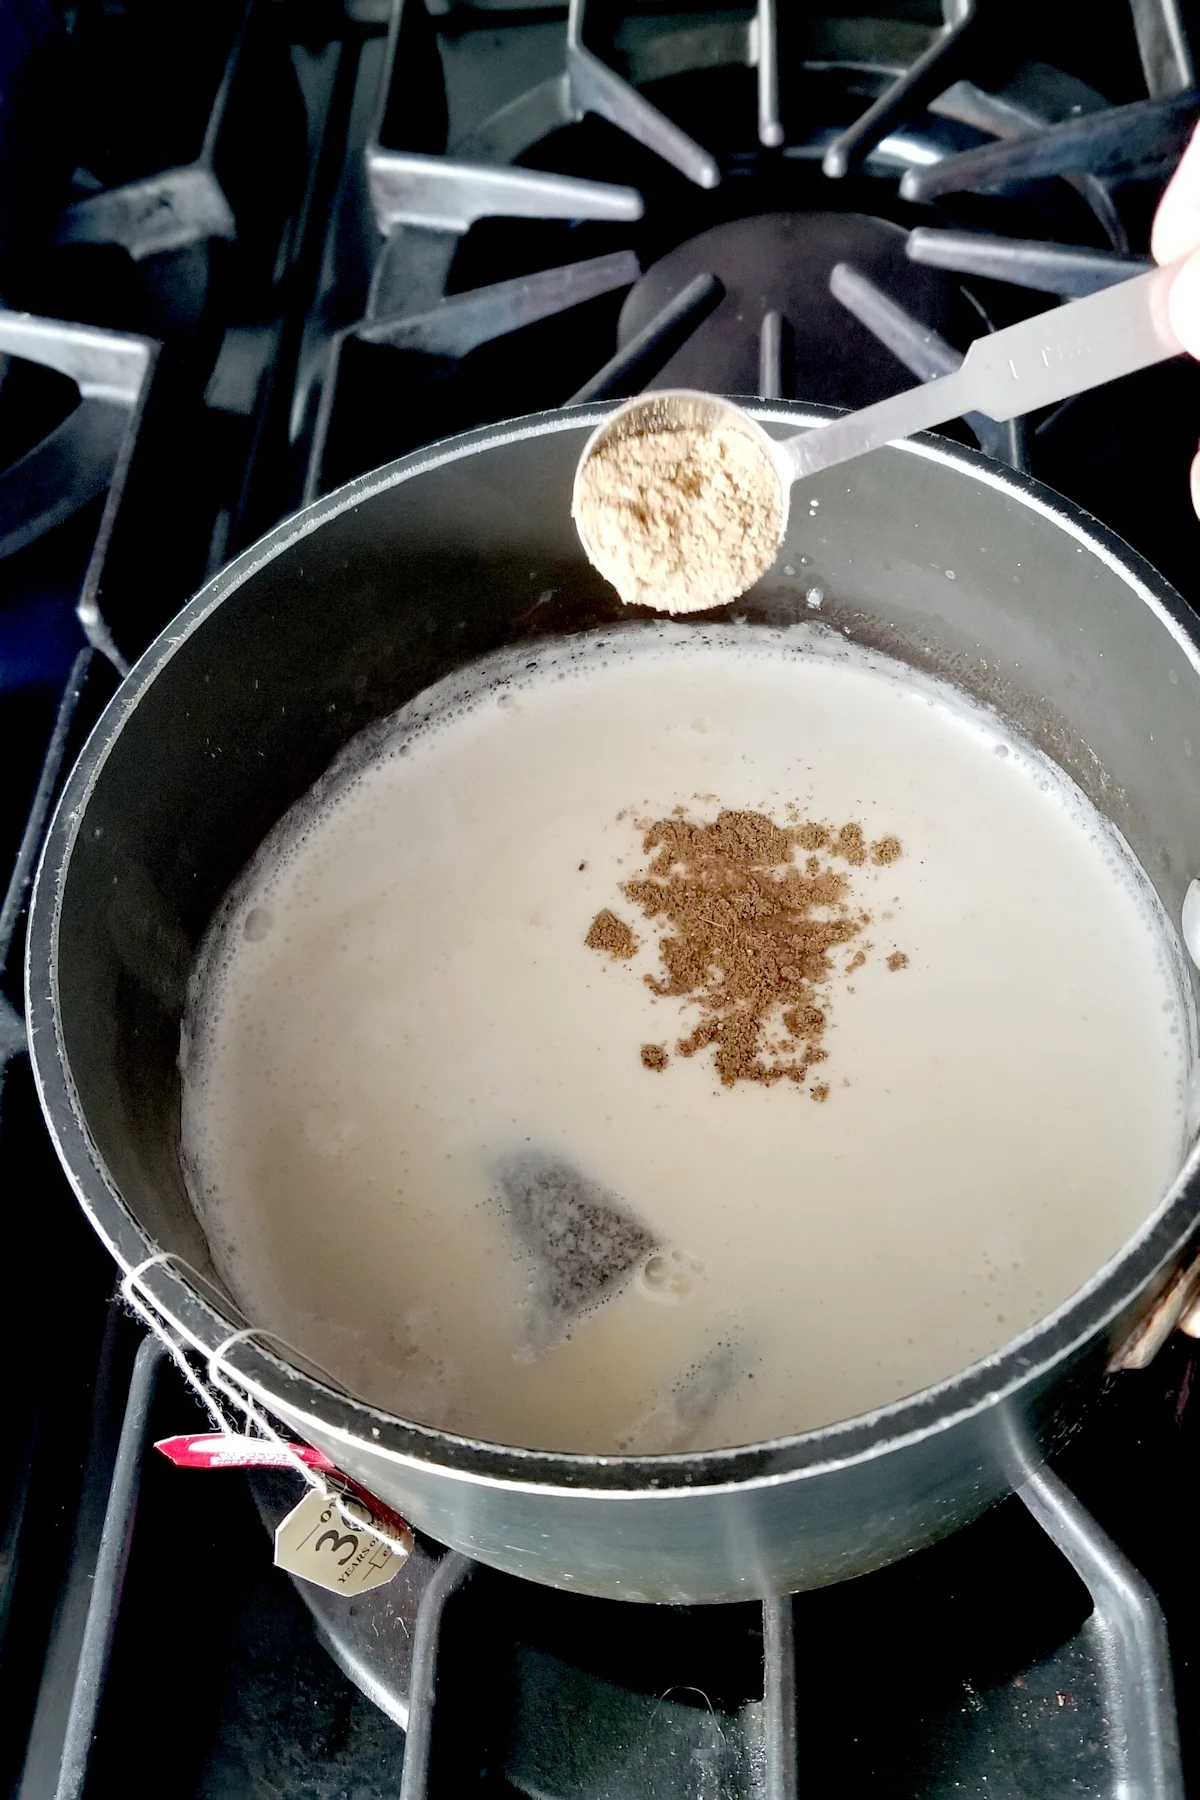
[1037, 363]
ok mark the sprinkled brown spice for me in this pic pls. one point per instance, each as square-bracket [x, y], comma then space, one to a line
[610, 933]
[747, 936]
[821, 1091]
[885, 850]
[851, 844]
[654, 1056]
[897, 960]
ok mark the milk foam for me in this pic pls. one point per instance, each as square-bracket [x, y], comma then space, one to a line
[399, 1051]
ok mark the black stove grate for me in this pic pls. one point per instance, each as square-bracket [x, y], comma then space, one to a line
[1038, 1656]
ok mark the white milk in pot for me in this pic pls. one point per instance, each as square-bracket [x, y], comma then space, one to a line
[665, 1039]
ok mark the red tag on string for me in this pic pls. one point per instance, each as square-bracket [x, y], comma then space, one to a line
[215, 1450]
[333, 1536]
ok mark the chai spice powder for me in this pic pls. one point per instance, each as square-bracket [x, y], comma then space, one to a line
[610, 933]
[748, 937]
[682, 519]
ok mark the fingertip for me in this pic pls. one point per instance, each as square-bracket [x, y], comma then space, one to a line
[1176, 228]
[1183, 304]
[1196, 484]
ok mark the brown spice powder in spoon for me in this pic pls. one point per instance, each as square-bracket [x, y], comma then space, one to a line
[683, 519]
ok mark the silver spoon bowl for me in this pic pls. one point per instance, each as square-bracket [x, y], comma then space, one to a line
[680, 409]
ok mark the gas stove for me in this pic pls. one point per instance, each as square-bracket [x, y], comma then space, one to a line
[245, 256]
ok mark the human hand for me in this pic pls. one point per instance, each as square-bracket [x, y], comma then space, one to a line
[1176, 234]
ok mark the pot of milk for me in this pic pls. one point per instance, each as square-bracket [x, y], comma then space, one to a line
[679, 1109]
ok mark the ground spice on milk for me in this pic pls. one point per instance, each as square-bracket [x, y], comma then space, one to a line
[682, 519]
[610, 933]
[749, 936]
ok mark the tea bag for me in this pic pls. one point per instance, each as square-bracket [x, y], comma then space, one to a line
[580, 1239]
[678, 1420]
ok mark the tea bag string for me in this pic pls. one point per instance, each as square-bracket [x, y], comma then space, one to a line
[142, 1302]
[223, 1379]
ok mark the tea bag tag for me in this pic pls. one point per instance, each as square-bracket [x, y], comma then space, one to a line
[331, 1538]
[226, 1450]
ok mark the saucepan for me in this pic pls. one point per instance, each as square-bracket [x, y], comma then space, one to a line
[925, 550]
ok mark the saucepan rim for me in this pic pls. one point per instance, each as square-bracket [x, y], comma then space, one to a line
[1107, 1303]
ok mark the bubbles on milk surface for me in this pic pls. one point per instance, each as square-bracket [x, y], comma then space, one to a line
[425, 1147]
[257, 924]
[671, 1276]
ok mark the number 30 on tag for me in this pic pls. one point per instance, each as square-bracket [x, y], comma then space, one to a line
[327, 1539]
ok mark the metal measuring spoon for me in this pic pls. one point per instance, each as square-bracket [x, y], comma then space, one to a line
[1036, 363]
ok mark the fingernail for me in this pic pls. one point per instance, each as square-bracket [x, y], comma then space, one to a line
[1183, 305]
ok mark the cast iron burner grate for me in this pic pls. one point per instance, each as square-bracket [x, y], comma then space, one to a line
[504, 188]
[1023, 1656]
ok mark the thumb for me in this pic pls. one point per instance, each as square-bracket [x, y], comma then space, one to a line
[1183, 304]
[1176, 228]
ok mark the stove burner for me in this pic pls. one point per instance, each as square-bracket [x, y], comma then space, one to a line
[597, 1697]
[781, 263]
